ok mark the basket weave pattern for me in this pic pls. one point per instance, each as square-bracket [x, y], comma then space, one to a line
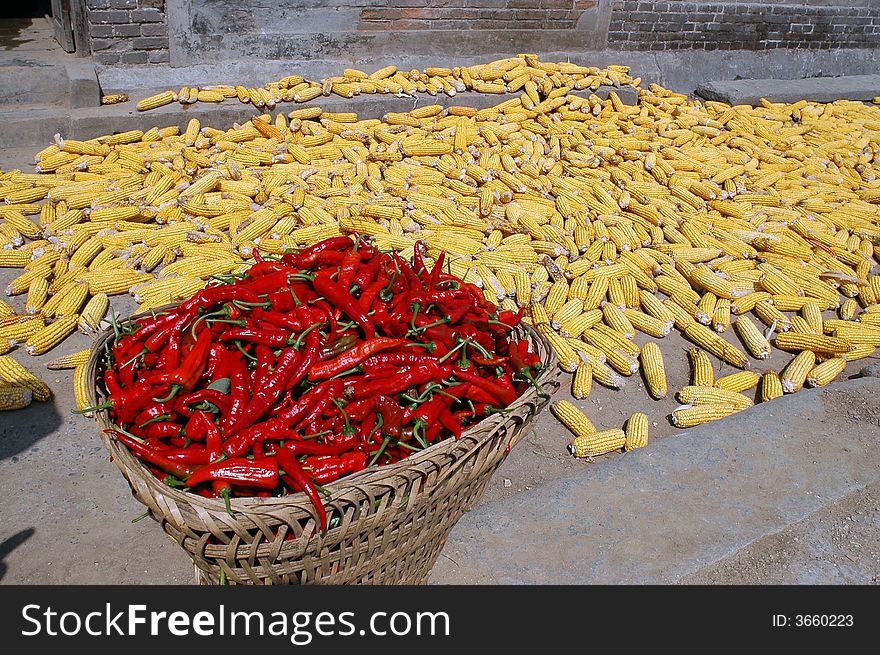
[394, 519]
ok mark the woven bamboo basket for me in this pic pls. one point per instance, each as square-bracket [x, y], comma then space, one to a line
[393, 520]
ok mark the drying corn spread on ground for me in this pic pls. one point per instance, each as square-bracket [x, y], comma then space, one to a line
[747, 230]
[521, 73]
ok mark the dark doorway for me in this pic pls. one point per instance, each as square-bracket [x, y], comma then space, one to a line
[26, 9]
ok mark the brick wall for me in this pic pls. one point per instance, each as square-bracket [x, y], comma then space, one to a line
[128, 31]
[665, 25]
[474, 15]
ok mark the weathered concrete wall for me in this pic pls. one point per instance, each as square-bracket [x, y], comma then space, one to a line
[205, 30]
[811, 37]
[740, 25]
[128, 31]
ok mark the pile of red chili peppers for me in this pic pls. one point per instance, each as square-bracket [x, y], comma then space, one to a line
[308, 368]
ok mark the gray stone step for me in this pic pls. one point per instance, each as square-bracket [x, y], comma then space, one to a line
[816, 89]
[682, 504]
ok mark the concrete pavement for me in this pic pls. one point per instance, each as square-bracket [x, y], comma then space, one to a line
[675, 510]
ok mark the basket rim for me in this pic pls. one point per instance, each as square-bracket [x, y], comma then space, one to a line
[473, 437]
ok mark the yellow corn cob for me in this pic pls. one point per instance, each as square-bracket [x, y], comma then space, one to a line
[848, 309]
[14, 258]
[688, 417]
[573, 418]
[6, 309]
[752, 337]
[695, 395]
[814, 342]
[13, 372]
[51, 335]
[702, 374]
[539, 314]
[70, 301]
[70, 361]
[582, 382]
[115, 284]
[795, 372]
[158, 100]
[93, 313]
[654, 370]
[826, 372]
[568, 359]
[20, 331]
[710, 341]
[23, 282]
[14, 396]
[771, 386]
[38, 292]
[636, 431]
[859, 351]
[739, 382]
[616, 319]
[597, 443]
[81, 388]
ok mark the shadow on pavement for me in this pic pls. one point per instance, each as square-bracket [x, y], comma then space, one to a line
[22, 428]
[10, 544]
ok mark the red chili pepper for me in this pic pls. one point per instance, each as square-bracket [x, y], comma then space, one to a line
[307, 257]
[501, 394]
[449, 422]
[265, 359]
[418, 264]
[326, 469]
[266, 395]
[401, 358]
[269, 283]
[266, 268]
[353, 357]
[369, 294]
[428, 411]
[152, 412]
[240, 391]
[317, 408]
[338, 347]
[242, 442]
[348, 268]
[172, 331]
[410, 378]
[211, 296]
[213, 438]
[438, 268]
[194, 428]
[185, 377]
[367, 272]
[261, 473]
[343, 300]
[288, 321]
[141, 451]
[281, 301]
[309, 447]
[392, 415]
[300, 409]
[126, 404]
[482, 361]
[273, 338]
[164, 430]
[222, 401]
[217, 368]
[322, 310]
[298, 480]
[309, 357]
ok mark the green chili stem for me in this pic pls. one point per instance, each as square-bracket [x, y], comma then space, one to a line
[243, 352]
[381, 450]
[298, 342]
[451, 352]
